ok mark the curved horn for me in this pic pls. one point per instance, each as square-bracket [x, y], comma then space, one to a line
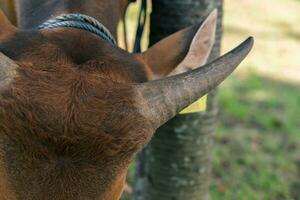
[7, 70]
[164, 98]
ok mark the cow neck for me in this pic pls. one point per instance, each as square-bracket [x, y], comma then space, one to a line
[32, 13]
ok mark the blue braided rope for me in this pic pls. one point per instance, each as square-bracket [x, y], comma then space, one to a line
[82, 22]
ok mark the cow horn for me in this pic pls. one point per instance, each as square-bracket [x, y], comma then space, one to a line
[164, 98]
[7, 70]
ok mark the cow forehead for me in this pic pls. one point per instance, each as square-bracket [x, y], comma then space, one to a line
[85, 120]
[68, 92]
[71, 101]
[59, 92]
[95, 136]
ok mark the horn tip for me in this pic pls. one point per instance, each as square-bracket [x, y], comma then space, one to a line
[244, 48]
[249, 42]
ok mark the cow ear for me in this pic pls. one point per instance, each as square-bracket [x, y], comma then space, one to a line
[6, 27]
[185, 49]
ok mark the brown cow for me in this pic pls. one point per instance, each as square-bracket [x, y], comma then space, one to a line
[75, 109]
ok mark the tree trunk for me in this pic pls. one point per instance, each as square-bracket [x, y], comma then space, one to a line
[178, 159]
[8, 7]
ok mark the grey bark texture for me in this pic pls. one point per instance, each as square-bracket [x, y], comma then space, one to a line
[177, 162]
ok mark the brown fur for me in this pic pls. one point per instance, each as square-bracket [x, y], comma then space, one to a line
[70, 122]
[63, 124]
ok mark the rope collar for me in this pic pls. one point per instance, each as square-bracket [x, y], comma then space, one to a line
[82, 22]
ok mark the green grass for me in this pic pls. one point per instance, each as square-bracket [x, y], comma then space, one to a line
[257, 150]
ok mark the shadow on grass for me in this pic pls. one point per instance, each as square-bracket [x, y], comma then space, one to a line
[235, 30]
[257, 151]
[287, 29]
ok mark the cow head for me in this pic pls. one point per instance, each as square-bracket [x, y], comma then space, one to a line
[74, 110]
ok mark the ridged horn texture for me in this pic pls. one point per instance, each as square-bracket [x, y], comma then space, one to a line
[7, 70]
[164, 98]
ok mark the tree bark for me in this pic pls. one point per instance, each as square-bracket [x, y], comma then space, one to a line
[9, 8]
[178, 159]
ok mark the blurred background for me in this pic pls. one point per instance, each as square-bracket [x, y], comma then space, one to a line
[257, 146]
[257, 155]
